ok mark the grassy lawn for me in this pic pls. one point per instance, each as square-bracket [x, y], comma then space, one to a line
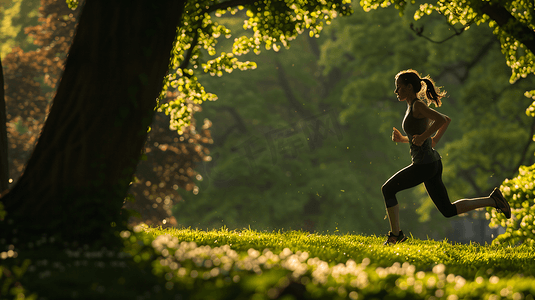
[222, 264]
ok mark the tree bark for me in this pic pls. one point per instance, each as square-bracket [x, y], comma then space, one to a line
[79, 173]
[4, 166]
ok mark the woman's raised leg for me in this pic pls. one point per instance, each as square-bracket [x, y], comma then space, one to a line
[466, 205]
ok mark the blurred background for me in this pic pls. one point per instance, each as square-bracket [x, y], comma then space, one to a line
[303, 142]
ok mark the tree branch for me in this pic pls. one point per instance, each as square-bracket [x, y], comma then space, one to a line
[223, 5]
[452, 69]
[419, 32]
[239, 125]
[510, 25]
[283, 82]
[472, 182]
[480, 54]
[184, 64]
[314, 47]
[225, 135]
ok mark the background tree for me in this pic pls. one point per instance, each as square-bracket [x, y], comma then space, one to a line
[31, 75]
[16, 16]
[169, 165]
[519, 191]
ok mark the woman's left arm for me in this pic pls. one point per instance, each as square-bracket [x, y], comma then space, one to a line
[439, 125]
[440, 132]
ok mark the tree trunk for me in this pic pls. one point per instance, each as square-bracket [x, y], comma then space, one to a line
[4, 166]
[79, 173]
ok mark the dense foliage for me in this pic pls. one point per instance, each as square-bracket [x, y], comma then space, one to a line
[519, 191]
[269, 24]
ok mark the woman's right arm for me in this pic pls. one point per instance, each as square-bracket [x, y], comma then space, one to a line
[398, 137]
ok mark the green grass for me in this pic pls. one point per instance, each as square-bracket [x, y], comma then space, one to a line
[465, 260]
[222, 264]
[416, 269]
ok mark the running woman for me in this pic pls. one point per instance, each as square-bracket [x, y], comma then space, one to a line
[419, 125]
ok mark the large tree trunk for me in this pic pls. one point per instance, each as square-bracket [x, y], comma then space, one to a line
[79, 173]
[4, 166]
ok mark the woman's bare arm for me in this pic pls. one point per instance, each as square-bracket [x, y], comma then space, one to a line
[439, 119]
[398, 137]
[440, 131]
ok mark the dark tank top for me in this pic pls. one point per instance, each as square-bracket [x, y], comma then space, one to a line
[420, 154]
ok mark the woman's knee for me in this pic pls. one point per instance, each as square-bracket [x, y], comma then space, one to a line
[449, 211]
[389, 195]
[387, 190]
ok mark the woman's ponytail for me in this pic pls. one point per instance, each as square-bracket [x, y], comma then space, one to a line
[433, 93]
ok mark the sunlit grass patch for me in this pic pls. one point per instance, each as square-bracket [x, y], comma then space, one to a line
[466, 260]
[268, 265]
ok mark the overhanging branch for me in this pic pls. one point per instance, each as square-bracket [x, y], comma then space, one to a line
[210, 9]
[419, 32]
[510, 25]
[184, 64]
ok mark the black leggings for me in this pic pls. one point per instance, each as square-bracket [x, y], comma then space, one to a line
[411, 176]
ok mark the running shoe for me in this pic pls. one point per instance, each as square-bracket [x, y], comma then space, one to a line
[501, 203]
[394, 239]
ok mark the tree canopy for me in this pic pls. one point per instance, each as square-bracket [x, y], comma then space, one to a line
[268, 24]
[512, 23]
